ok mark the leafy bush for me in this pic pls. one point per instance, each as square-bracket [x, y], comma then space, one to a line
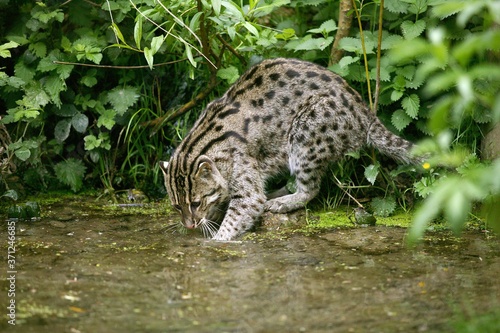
[463, 78]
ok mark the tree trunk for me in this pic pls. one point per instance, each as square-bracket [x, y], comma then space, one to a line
[344, 27]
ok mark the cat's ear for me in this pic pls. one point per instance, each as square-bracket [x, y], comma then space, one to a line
[164, 166]
[206, 168]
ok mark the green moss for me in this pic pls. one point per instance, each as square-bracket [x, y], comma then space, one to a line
[328, 220]
[344, 218]
[400, 219]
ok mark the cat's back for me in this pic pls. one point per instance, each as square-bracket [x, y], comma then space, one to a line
[268, 96]
[257, 111]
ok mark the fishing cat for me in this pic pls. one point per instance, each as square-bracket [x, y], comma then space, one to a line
[282, 115]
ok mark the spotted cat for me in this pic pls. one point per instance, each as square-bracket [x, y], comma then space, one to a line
[281, 116]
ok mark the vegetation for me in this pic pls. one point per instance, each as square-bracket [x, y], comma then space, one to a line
[96, 94]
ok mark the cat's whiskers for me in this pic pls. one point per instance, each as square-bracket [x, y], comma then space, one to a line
[209, 228]
[176, 227]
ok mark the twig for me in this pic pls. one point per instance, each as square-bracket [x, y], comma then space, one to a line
[116, 67]
[232, 50]
[160, 121]
[341, 186]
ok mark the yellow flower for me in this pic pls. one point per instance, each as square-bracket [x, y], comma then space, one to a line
[426, 165]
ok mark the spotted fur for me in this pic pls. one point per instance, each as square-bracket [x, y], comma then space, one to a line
[282, 115]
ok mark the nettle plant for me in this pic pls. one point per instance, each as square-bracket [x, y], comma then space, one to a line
[59, 113]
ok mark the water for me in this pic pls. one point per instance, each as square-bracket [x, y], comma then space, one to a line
[86, 267]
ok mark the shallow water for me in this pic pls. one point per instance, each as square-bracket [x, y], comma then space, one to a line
[86, 269]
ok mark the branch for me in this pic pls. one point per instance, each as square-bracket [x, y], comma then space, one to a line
[344, 27]
[363, 46]
[232, 50]
[116, 67]
[160, 121]
[379, 51]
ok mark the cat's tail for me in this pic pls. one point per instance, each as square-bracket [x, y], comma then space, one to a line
[390, 144]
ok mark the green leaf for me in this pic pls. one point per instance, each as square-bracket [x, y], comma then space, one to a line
[138, 32]
[189, 54]
[347, 60]
[408, 72]
[385, 76]
[93, 54]
[412, 30]
[20, 113]
[45, 16]
[325, 28]
[36, 95]
[391, 41]
[251, 29]
[91, 142]
[233, 11]
[286, 34]
[121, 98]
[46, 64]
[195, 21]
[230, 74]
[66, 44]
[62, 129]
[396, 95]
[80, 122]
[352, 44]
[107, 119]
[216, 5]
[118, 33]
[148, 54]
[371, 172]
[66, 110]
[64, 71]
[266, 7]
[156, 43]
[105, 140]
[12, 81]
[11, 194]
[39, 49]
[411, 104]
[400, 119]
[54, 85]
[24, 72]
[89, 81]
[23, 153]
[4, 49]
[448, 8]
[71, 173]
[315, 44]
[383, 206]
[396, 6]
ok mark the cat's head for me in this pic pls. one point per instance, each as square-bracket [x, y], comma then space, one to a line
[199, 194]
